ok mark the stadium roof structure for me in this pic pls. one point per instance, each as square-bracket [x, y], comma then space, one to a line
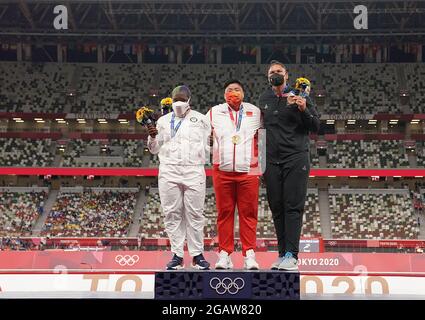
[213, 21]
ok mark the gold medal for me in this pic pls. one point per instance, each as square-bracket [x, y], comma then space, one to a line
[236, 139]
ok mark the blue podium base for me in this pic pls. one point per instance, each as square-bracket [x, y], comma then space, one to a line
[236, 284]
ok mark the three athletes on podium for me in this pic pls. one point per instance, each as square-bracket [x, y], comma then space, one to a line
[182, 140]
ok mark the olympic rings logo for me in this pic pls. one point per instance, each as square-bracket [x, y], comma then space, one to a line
[227, 285]
[127, 260]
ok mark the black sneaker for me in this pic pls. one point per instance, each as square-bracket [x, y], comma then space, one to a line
[176, 263]
[200, 263]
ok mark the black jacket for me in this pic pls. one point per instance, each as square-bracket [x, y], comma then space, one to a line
[287, 128]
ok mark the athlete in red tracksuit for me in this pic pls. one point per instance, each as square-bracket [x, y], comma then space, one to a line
[236, 180]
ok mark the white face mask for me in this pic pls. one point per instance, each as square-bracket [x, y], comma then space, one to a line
[180, 108]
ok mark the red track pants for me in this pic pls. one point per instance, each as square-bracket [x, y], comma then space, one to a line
[236, 189]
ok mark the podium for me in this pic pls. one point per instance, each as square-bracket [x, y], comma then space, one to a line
[236, 284]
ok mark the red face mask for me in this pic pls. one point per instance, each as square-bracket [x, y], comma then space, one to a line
[234, 98]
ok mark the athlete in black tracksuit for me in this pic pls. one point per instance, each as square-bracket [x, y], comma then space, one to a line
[287, 163]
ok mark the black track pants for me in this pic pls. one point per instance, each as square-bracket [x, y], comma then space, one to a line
[286, 193]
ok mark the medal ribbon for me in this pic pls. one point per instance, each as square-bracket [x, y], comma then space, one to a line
[174, 130]
[238, 124]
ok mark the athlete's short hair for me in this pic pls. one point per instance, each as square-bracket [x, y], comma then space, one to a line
[273, 62]
[232, 81]
[181, 89]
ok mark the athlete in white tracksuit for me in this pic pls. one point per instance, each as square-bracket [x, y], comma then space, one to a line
[182, 147]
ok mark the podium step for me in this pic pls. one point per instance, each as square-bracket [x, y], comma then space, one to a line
[199, 285]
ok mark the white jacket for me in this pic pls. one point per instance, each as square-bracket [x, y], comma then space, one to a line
[189, 147]
[240, 157]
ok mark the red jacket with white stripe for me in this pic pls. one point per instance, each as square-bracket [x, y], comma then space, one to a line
[235, 150]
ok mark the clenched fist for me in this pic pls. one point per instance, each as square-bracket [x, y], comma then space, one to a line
[152, 130]
[299, 101]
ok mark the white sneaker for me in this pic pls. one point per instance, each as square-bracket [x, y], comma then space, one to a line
[224, 261]
[249, 260]
[289, 263]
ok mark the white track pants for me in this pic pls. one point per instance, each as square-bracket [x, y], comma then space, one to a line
[182, 193]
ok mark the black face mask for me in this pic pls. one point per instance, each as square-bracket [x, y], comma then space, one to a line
[276, 79]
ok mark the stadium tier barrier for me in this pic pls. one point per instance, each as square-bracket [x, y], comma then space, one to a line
[152, 172]
[262, 244]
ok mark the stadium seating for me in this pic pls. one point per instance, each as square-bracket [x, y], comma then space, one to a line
[206, 81]
[415, 84]
[109, 87]
[74, 150]
[210, 212]
[420, 154]
[26, 152]
[154, 160]
[311, 218]
[314, 157]
[364, 214]
[360, 88]
[79, 153]
[152, 225]
[33, 87]
[113, 87]
[19, 212]
[124, 153]
[90, 214]
[366, 154]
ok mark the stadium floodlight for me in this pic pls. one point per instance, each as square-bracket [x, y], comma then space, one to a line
[17, 119]
[59, 119]
[330, 121]
[38, 119]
